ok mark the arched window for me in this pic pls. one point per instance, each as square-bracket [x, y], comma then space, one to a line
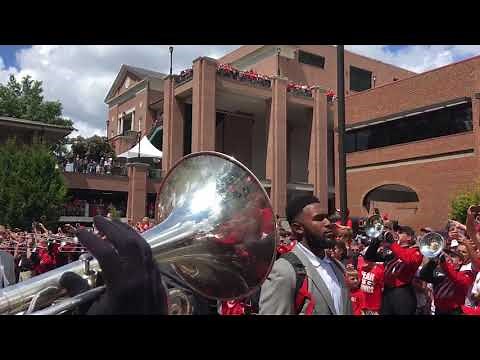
[393, 193]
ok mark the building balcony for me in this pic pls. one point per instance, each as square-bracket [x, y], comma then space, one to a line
[115, 181]
[251, 82]
[248, 77]
[299, 90]
[184, 77]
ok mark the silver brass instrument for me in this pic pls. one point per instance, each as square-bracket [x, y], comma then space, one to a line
[431, 244]
[180, 302]
[211, 233]
[374, 226]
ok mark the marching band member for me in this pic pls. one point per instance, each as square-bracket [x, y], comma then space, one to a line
[401, 259]
[451, 277]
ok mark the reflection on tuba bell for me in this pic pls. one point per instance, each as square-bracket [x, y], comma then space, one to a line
[431, 244]
[212, 235]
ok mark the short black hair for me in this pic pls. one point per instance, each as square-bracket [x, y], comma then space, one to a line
[296, 206]
[335, 217]
[406, 230]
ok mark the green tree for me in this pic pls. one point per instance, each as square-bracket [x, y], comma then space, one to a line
[94, 148]
[31, 186]
[462, 201]
[24, 100]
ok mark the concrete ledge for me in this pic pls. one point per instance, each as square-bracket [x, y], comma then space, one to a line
[138, 164]
[206, 58]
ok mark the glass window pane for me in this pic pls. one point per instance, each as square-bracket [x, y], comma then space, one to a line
[311, 59]
[427, 125]
[360, 79]
[349, 142]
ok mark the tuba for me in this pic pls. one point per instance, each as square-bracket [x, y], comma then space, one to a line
[431, 244]
[216, 233]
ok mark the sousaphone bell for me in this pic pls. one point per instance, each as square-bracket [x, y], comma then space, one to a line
[217, 234]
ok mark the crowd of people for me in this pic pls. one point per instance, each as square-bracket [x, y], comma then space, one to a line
[26, 254]
[323, 266]
[85, 166]
[77, 207]
[385, 275]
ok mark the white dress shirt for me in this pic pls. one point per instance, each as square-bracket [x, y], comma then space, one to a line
[325, 269]
[473, 292]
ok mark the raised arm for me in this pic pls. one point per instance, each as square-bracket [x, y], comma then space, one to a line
[460, 278]
[410, 256]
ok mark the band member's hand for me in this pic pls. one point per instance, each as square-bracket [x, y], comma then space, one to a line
[457, 224]
[472, 214]
[389, 237]
[133, 281]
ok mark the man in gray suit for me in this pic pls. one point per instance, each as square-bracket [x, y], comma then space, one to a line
[7, 269]
[313, 232]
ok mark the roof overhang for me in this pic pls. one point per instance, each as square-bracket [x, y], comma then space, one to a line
[21, 125]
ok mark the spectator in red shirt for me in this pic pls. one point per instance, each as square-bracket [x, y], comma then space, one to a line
[356, 295]
[349, 222]
[371, 284]
[47, 258]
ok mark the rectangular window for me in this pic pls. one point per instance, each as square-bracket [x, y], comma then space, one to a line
[311, 59]
[427, 125]
[128, 122]
[360, 79]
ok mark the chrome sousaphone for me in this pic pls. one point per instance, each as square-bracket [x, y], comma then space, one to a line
[216, 233]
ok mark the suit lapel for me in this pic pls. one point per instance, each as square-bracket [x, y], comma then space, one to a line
[316, 278]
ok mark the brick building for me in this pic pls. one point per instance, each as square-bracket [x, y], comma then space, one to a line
[281, 131]
[415, 140]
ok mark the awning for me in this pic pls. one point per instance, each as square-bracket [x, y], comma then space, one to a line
[147, 150]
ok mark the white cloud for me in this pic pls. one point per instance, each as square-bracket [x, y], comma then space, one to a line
[80, 76]
[418, 58]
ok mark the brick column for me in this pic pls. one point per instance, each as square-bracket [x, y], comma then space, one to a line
[318, 157]
[268, 161]
[137, 191]
[277, 146]
[172, 126]
[203, 104]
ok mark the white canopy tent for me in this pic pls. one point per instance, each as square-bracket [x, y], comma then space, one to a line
[147, 150]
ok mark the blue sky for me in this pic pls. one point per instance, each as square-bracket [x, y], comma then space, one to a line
[8, 54]
[79, 76]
